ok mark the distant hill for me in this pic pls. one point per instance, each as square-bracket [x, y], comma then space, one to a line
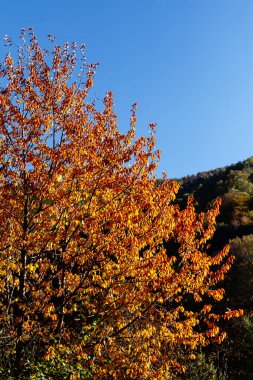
[234, 184]
[233, 359]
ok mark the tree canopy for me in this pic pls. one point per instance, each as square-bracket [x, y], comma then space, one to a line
[87, 284]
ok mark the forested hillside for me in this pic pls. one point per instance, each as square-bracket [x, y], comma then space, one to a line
[234, 184]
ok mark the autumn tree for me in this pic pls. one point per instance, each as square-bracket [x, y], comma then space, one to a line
[86, 285]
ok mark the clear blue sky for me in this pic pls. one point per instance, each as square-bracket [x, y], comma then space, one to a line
[187, 63]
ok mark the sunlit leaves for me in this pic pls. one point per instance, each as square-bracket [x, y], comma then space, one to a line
[84, 274]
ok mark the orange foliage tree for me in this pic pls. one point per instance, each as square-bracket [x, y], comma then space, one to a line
[85, 280]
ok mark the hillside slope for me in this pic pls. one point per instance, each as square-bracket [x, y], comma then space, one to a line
[234, 184]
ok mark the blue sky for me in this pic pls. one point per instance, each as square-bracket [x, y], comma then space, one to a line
[187, 63]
